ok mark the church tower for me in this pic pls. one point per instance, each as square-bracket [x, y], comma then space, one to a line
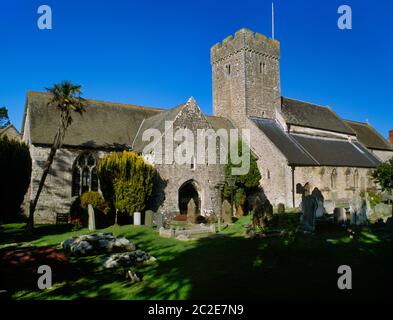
[246, 77]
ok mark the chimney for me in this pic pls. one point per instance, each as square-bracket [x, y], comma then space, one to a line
[391, 137]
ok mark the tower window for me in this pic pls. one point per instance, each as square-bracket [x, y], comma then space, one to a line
[228, 69]
[261, 67]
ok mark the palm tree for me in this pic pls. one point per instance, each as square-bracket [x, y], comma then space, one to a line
[66, 97]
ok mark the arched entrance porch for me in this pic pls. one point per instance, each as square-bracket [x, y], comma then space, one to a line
[189, 190]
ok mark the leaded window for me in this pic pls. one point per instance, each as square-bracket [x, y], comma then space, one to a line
[84, 174]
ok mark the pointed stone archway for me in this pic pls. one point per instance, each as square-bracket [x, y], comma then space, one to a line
[189, 189]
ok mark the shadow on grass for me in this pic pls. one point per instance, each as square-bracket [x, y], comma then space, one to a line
[19, 234]
[232, 267]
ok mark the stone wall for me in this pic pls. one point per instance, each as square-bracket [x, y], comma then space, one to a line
[55, 197]
[272, 165]
[345, 187]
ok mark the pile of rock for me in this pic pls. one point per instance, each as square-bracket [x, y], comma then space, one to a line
[127, 259]
[96, 244]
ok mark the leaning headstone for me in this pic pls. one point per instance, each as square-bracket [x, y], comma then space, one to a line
[281, 208]
[340, 217]
[191, 211]
[92, 220]
[317, 194]
[226, 212]
[137, 218]
[307, 219]
[149, 218]
[329, 206]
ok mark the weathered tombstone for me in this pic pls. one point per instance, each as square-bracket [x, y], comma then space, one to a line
[191, 211]
[361, 216]
[159, 220]
[329, 206]
[353, 215]
[281, 208]
[226, 212]
[369, 210]
[307, 220]
[149, 218]
[92, 220]
[340, 216]
[137, 218]
[317, 194]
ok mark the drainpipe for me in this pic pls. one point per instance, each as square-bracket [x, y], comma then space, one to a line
[293, 186]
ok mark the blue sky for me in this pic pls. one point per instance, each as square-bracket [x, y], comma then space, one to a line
[156, 53]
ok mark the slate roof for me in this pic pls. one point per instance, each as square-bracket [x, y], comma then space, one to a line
[103, 125]
[307, 150]
[369, 137]
[284, 142]
[341, 153]
[309, 115]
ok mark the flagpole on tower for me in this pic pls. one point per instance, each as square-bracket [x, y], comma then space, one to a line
[273, 20]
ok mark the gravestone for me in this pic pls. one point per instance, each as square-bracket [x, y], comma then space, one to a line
[159, 220]
[317, 194]
[361, 216]
[340, 217]
[226, 212]
[353, 215]
[369, 210]
[149, 218]
[191, 211]
[137, 218]
[357, 210]
[329, 206]
[92, 220]
[307, 219]
[281, 208]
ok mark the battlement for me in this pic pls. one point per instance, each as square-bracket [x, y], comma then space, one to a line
[245, 39]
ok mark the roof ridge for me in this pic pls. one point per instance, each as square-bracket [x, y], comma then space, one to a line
[307, 102]
[30, 93]
[354, 121]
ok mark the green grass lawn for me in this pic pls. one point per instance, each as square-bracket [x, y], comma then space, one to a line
[224, 266]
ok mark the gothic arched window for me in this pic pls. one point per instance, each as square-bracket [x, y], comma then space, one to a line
[356, 179]
[333, 179]
[84, 174]
[348, 180]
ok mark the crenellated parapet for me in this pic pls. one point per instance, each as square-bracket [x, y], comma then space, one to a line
[247, 40]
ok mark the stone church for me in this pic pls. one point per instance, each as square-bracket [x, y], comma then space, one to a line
[295, 142]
